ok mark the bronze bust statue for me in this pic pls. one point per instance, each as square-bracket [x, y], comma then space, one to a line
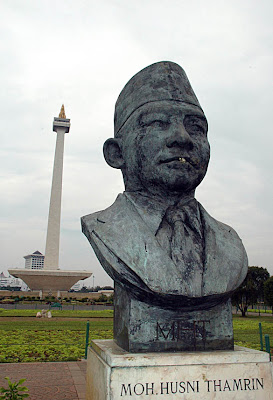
[172, 263]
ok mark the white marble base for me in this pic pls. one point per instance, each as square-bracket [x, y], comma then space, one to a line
[113, 373]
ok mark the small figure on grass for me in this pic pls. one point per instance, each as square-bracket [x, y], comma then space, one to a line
[13, 391]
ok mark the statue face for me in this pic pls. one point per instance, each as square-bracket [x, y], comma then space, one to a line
[165, 147]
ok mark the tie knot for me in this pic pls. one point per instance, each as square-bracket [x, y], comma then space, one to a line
[174, 215]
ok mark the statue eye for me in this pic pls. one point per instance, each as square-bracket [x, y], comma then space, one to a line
[195, 125]
[158, 123]
[154, 120]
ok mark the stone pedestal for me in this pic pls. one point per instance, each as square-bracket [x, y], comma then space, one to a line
[113, 373]
[141, 327]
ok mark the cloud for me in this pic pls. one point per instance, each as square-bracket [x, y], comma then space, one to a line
[82, 54]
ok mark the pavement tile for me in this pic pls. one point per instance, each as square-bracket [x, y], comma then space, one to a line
[80, 388]
[77, 373]
[82, 365]
[79, 380]
[48, 381]
[74, 367]
[54, 393]
[81, 393]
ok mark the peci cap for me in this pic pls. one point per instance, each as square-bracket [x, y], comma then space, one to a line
[164, 80]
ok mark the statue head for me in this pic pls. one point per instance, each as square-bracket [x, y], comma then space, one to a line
[160, 136]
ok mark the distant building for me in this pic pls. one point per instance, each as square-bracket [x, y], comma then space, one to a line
[77, 286]
[34, 260]
[3, 279]
[106, 292]
[10, 281]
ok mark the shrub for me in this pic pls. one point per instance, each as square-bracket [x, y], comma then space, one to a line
[12, 393]
[111, 299]
[103, 298]
[7, 301]
[84, 299]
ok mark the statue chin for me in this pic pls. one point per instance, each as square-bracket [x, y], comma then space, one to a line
[172, 185]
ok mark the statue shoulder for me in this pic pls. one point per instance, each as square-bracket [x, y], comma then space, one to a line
[222, 230]
[226, 258]
[91, 221]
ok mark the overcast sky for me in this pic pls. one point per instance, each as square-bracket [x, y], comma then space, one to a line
[82, 53]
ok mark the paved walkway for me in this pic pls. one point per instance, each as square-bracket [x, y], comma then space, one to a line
[253, 314]
[48, 380]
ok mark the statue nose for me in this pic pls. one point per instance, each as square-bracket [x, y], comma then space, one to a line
[179, 137]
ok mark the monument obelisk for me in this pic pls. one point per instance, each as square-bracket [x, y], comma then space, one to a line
[51, 277]
[61, 125]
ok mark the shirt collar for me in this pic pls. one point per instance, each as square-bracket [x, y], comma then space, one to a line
[152, 210]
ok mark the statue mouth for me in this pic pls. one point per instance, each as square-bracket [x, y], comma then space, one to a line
[182, 160]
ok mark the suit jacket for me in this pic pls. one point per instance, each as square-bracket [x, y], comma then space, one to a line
[132, 256]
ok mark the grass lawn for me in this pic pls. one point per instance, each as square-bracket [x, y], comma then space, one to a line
[24, 338]
[246, 330]
[27, 339]
[58, 313]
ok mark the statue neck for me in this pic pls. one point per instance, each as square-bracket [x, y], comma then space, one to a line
[164, 199]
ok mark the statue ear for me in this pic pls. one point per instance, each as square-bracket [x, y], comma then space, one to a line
[112, 153]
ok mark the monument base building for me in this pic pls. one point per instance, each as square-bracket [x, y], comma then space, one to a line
[46, 281]
[49, 280]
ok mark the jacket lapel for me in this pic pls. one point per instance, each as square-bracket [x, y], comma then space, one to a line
[121, 224]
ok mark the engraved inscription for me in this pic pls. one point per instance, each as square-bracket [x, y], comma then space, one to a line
[177, 331]
[198, 387]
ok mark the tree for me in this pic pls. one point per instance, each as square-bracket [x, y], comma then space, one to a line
[268, 292]
[111, 299]
[84, 289]
[102, 298]
[251, 290]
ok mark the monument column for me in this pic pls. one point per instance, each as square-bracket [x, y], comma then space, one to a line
[61, 125]
[51, 278]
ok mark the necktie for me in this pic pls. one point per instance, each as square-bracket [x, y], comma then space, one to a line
[187, 244]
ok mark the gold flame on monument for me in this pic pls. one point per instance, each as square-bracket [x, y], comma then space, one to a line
[62, 113]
